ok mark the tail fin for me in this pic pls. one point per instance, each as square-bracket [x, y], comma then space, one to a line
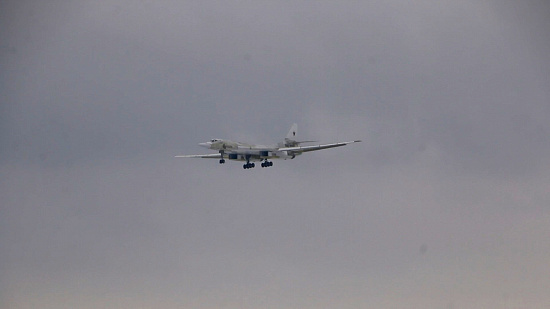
[291, 136]
[290, 139]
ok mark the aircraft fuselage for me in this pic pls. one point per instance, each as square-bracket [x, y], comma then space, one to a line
[237, 151]
[246, 152]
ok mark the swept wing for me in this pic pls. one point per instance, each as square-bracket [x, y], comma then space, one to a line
[316, 147]
[204, 156]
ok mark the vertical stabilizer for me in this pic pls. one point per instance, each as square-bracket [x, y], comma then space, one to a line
[290, 139]
[292, 133]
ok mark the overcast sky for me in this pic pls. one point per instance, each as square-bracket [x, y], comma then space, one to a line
[445, 204]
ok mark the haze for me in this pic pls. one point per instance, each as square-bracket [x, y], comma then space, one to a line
[445, 204]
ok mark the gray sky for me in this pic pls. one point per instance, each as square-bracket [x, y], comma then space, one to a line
[445, 204]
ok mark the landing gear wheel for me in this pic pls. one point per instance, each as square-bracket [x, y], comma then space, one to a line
[222, 161]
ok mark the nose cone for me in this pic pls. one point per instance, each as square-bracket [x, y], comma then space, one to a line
[207, 145]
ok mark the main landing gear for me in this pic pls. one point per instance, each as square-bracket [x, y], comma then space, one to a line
[222, 160]
[248, 164]
[252, 165]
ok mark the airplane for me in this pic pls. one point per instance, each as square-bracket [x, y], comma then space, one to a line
[288, 149]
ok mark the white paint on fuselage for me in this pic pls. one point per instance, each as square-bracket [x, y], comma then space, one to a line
[242, 150]
[288, 149]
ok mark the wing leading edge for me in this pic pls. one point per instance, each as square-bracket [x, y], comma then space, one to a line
[316, 147]
[204, 156]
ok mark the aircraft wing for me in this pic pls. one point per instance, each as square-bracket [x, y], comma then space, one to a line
[316, 147]
[206, 156]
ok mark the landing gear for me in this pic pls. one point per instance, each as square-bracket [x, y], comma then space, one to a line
[267, 163]
[248, 164]
[222, 160]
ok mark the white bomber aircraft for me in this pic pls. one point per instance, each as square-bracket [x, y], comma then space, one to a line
[288, 149]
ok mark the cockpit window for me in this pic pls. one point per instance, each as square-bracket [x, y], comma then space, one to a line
[214, 140]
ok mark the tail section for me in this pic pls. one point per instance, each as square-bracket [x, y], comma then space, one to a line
[292, 133]
[290, 139]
